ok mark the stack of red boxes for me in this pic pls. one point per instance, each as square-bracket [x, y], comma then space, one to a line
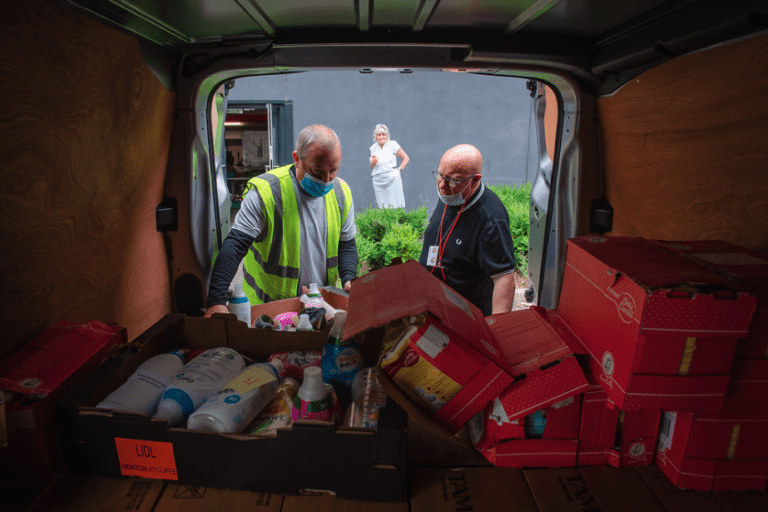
[659, 333]
[727, 449]
[535, 421]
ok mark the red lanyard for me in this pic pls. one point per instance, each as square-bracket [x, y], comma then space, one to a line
[442, 243]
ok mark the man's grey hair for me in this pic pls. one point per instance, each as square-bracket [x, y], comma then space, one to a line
[317, 134]
[380, 128]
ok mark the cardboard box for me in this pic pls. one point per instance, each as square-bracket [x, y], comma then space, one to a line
[603, 489]
[675, 499]
[469, 489]
[608, 436]
[661, 329]
[353, 463]
[65, 493]
[187, 498]
[38, 374]
[274, 308]
[548, 378]
[322, 502]
[712, 452]
[749, 267]
[427, 449]
[386, 303]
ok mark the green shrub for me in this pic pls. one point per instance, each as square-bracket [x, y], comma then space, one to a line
[516, 200]
[384, 234]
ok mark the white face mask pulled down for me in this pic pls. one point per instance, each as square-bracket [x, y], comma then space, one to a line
[452, 199]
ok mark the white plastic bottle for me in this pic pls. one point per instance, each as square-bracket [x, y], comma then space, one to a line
[143, 389]
[196, 382]
[304, 323]
[238, 304]
[313, 401]
[314, 299]
[235, 405]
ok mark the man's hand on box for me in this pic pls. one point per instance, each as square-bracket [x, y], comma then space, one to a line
[347, 286]
[219, 308]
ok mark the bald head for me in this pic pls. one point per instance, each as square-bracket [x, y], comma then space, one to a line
[319, 135]
[461, 163]
[464, 159]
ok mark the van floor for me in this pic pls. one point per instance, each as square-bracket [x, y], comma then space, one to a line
[436, 488]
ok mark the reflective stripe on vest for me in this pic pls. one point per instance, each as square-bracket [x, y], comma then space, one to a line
[272, 265]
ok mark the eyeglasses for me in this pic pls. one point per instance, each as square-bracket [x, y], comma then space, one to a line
[451, 182]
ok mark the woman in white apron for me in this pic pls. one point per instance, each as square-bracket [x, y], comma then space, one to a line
[387, 183]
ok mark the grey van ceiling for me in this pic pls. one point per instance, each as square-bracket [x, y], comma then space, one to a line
[602, 43]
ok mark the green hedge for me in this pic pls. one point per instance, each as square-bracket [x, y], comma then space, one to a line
[384, 234]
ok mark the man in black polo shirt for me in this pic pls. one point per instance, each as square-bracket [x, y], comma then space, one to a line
[467, 243]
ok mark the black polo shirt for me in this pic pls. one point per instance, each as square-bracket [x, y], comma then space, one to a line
[478, 249]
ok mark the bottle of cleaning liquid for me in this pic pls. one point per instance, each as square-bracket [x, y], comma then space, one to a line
[313, 400]
[143, 389]
[236, 404]
[314, 298]
[238, 304]
[196, 382]
[341, 358]
[304, 323]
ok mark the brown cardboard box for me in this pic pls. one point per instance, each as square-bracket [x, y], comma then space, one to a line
[354, 463]
[322, 502]
[82, 494]
[675, 499]
[594, 489]
[470, 489]
[187, 498]
[389, 301]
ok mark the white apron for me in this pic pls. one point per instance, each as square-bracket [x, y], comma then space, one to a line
[387, 183]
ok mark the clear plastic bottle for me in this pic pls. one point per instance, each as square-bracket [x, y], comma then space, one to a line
[367, 398]
[236, 404]
[144, 388]
[196, 382]
[238, 304]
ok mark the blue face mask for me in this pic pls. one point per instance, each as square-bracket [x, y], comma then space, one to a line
[314, 186]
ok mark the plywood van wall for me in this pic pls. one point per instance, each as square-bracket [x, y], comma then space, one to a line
[86, 128]
[685, 148]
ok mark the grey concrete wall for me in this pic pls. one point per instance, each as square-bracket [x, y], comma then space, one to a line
[427, 112]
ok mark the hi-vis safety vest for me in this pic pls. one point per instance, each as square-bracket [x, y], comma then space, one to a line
[272, 265]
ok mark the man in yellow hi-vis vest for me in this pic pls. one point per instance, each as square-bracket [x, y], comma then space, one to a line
[295, 226]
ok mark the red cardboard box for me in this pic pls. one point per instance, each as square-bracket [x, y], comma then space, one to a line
[548, 378]
[599, 444]
[685, 456]
[661, 330]
[389, 301]
[39, 373]
[751, 268]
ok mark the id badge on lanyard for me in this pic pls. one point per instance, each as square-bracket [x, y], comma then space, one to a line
[432, 255]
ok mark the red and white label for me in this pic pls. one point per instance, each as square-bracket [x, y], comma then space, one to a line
[148, 459]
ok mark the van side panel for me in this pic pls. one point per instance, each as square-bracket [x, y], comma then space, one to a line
[86, 130]
[685, 148]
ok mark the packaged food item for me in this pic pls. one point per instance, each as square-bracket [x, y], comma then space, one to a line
[316, 317]
[367, 398]
[295, 361]
[286, 319]
[278, 413]
[429, 365]
[235, 405]
[144, 388]
[341, 358]
[196, 382]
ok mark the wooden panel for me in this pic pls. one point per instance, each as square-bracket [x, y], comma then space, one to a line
[85, 136]
[685, 148]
